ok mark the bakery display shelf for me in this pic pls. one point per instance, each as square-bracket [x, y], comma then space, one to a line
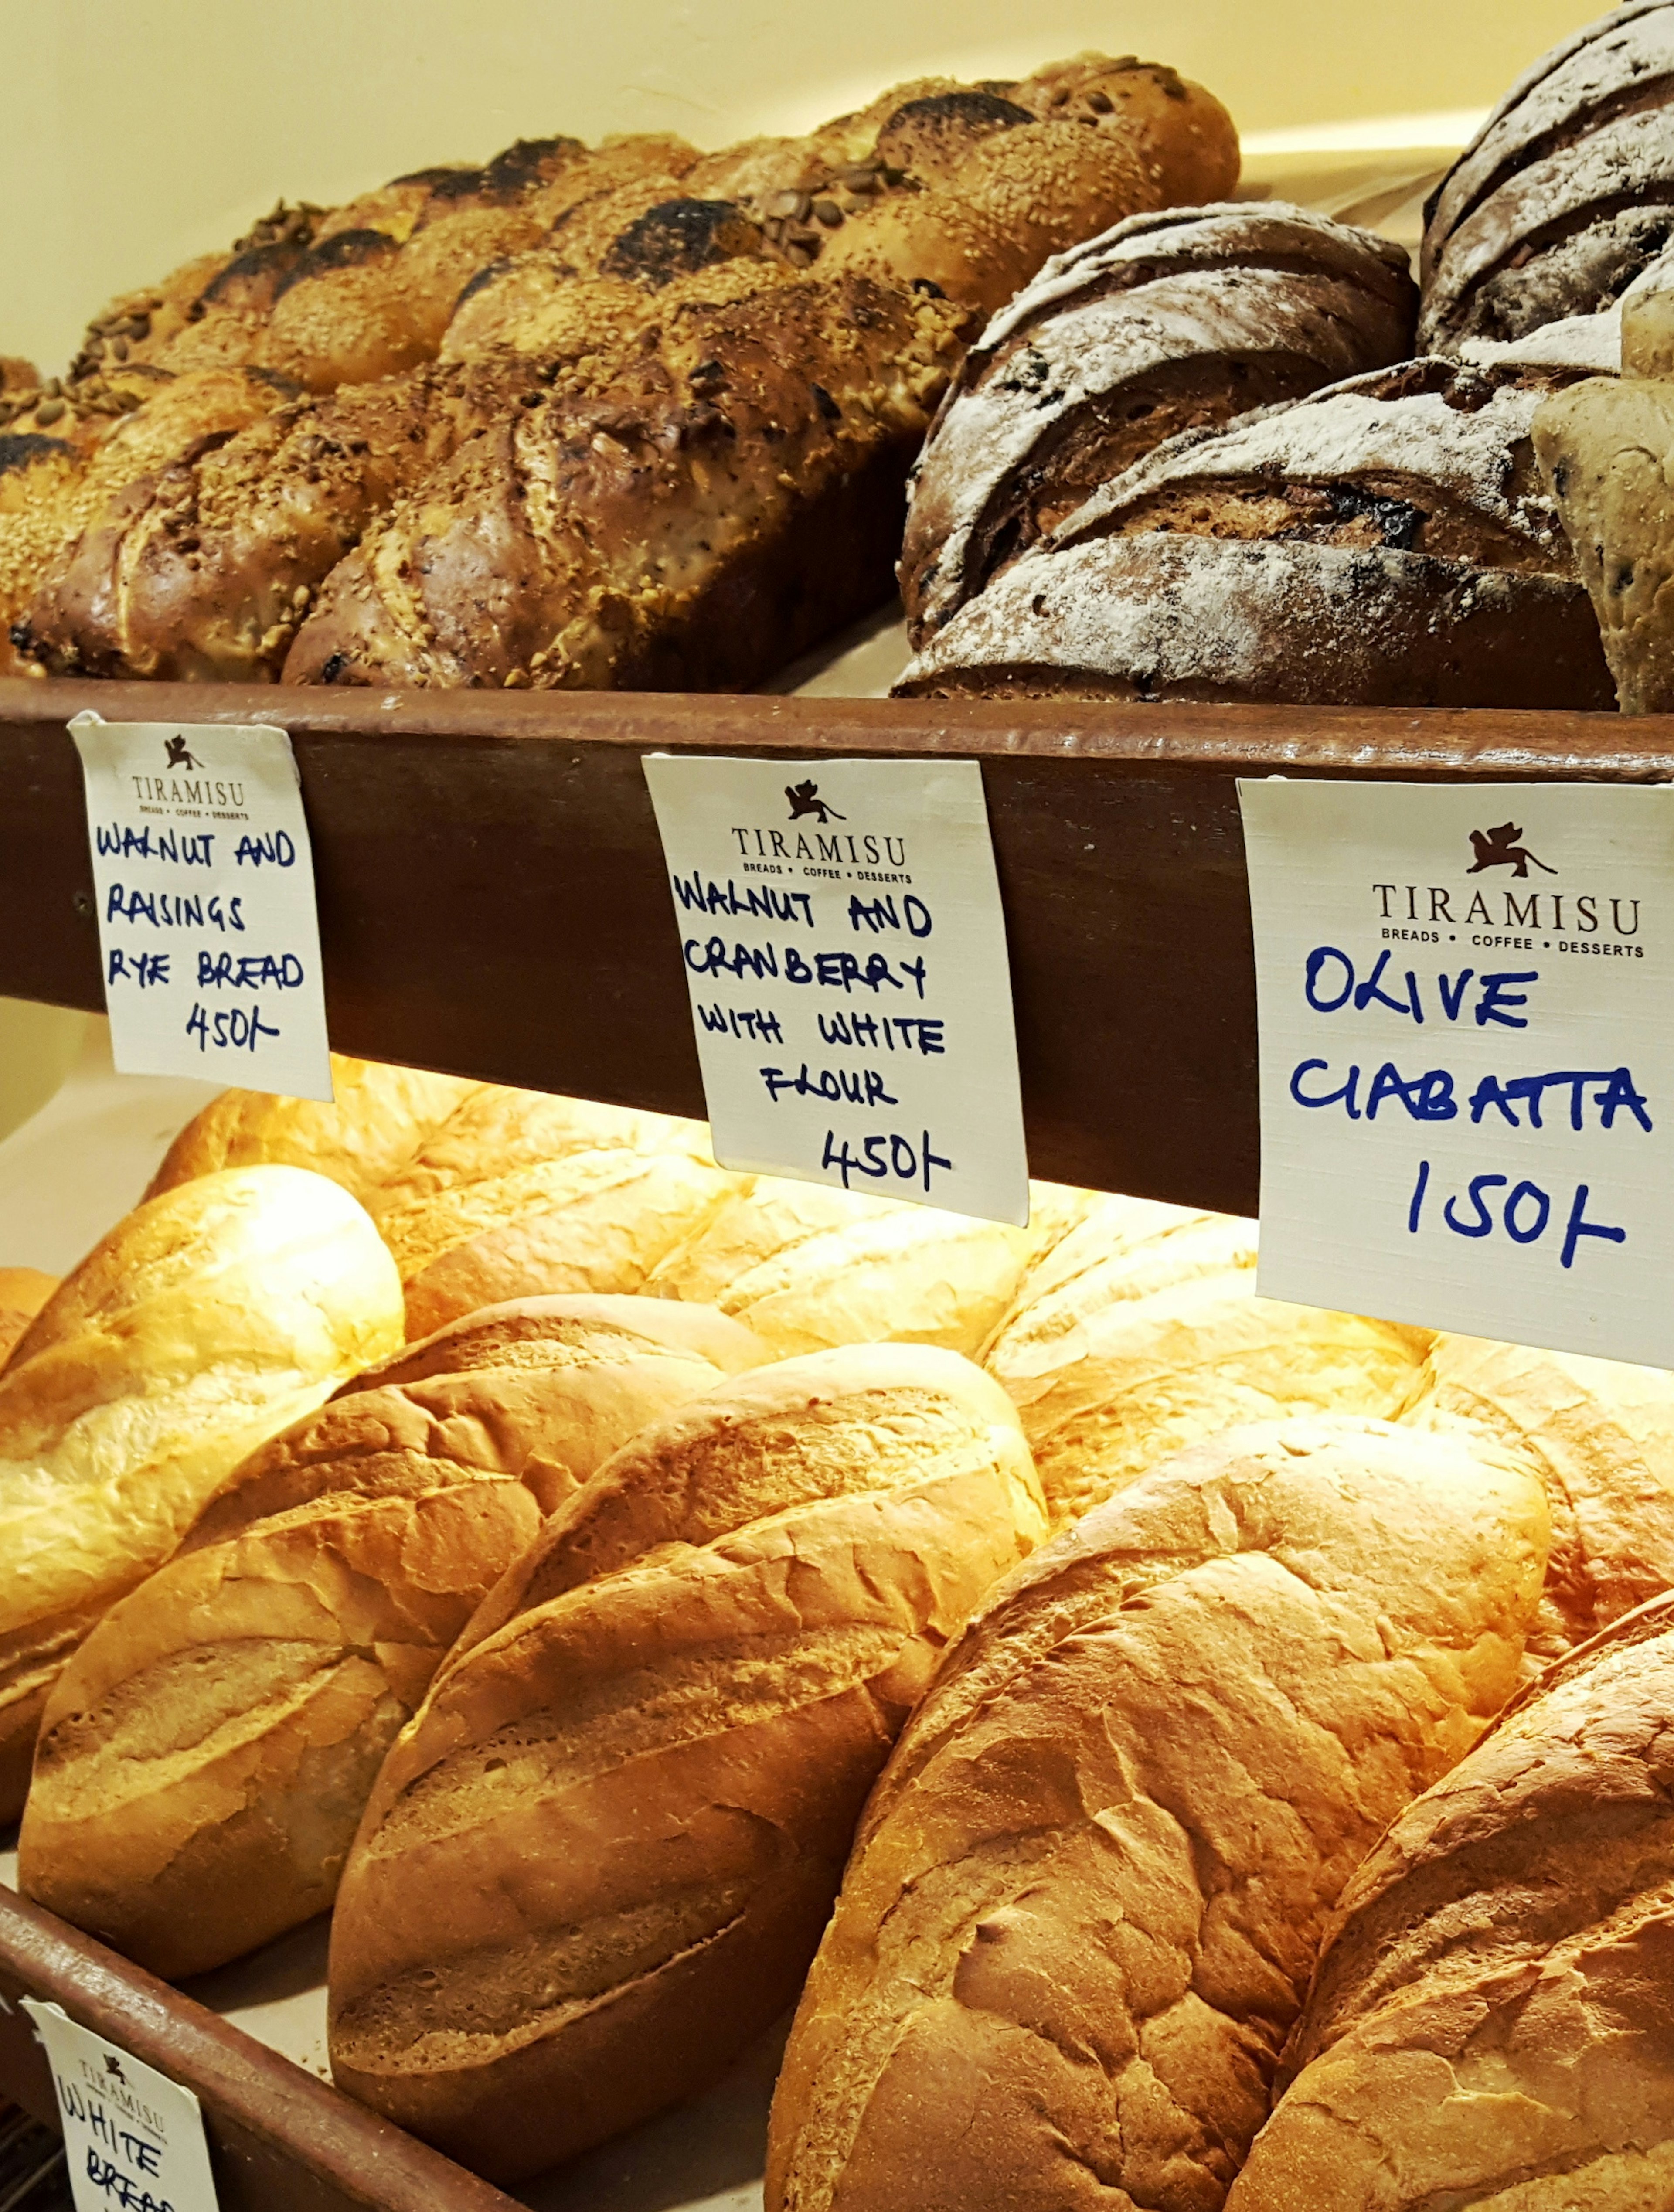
[493, 900]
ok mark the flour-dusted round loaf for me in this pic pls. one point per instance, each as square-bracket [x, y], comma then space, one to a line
[1490, 2022]
[1600, 1434]
[596, 1864]
[1116, 1361]
[206, 1754]
[1387, 541]
[1565, 195]
[1168, 323]
[206, 1320]
[1086, 1893]
[378, 1121]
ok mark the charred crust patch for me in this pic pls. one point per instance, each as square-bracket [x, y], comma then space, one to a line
[827, 405]
[349, 249]
[24, 448]
[484, 279]
[677, 237]
[253, 273]
[944, 123]
[529, 161]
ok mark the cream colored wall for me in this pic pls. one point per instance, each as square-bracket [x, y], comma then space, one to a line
[139, 132]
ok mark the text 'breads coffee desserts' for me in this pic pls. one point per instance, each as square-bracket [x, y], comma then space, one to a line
[596, 1864]
[1086, 1893]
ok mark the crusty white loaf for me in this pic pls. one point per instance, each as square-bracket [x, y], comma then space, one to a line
[380, 1116]
[1086, 1893]
[206, 1754]
[206, 1320]
[1490, 2023]
[1116, 1361]
[597, 1862]
[1600, 1434]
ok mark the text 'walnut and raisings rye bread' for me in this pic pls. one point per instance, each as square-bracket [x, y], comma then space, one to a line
[1168, 323]
[596, 1864]
[1088, 1891]
[1565, 195]
[1387, 541]
[1490, 2023]
[207, 1754]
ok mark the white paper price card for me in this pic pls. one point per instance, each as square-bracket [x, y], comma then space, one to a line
[204, 880]
[1466, 1001]
[133, 2139]
[840, 926]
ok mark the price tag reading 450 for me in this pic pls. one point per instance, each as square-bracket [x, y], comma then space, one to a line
[1467, 997]
[204, 882]
[843, 946]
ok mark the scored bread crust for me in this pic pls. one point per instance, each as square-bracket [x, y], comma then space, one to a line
[1166, 323]
[1119, 1358]
[1600, 1434]
[1086, 1894]
[206, 1320]
[205, 1756]
[596, 1864]
[1489, 2024]
[375, 1123]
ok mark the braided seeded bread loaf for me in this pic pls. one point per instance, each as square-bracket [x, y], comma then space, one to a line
[1600, 1436]
[1567, 193]
[539, 279]
[1134, 1340]
[1489, 2023]
[206, 1754]
[209, 1318]
[1086, 1893]
[1387, 541]
[1168, 323]
[598, 1862]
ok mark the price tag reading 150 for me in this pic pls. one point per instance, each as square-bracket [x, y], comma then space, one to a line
[844, 953]
[1466, 1000]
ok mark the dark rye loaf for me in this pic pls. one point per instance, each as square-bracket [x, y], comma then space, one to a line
[1565, 195]
[1166, 323]
[1388, 541]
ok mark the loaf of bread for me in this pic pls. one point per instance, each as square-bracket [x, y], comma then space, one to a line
[23, 1292]
[1168, 323]
[1121, 1357]
[1600, 1434]
[205, 1756]
[379, 1119]
[1604, 448]
[596, 1864]
[205, 1321]
[1490, 2022]
[1565, 195]
[1086, 1894]
[1385, 542]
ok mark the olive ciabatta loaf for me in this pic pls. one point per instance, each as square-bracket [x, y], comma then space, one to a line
[1138, 1336]
[1387, 541]
[1490, 2022]
[596, 1864]
[1088, 1891]
[1169, 322]
[206, 1754]
[1600, 1434]
[206, 1320]
[1565, 194]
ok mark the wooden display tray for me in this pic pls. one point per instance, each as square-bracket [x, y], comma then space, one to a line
[493, 900]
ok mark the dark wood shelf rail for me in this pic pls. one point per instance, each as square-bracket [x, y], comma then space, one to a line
[493, 900]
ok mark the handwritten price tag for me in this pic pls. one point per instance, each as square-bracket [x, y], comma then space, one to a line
[133, 2139]
[204, 881]
[845, 949]
[1466, 998]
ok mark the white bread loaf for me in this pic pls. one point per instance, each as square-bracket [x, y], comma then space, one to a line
[379, 1118]
[1600, 1434]
[209, 1318]
[206, 1754]
[1489, 2024]
[1115, 1362]
[1086, 1893]
[596, 1864]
